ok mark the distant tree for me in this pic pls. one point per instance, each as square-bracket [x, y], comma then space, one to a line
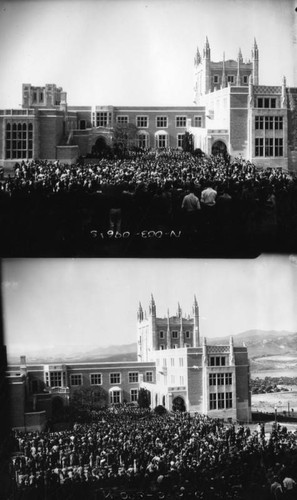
[86, 399]
[188, 142]
[144, 398]
[124, 137]
[160, 410]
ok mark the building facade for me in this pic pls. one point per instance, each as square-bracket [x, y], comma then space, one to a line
[178, 369]
[232, 114]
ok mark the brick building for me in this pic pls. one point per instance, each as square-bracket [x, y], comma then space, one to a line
[173, 364]
[233, 113]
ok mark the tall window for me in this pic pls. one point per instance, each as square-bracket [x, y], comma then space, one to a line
[115, 378]
[133, 377]
[149, 376]
[162, 121]
[181, 362]
[197, 121]
[221, 378]
[228, 399]
[181, 121]
[188, 335]
[19, 140]
[162, 141]
[133, 395]
[76, 379]
[269, 146]
[143, 141]
[115, 397]
[142, 121]
[228, 378]
[259, 146]
[259, 122]
[96, 379]
[278, 146]
[212, 401]
[269, 120]
[212, 379]
[230, 78]
[278, 125]
[174, 334]
[162, 334]
[180, 138]
[55, 379]
[221, 400]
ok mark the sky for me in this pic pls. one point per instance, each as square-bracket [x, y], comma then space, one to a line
[53, 302]
[137, 52]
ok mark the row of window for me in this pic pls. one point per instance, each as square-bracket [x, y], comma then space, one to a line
[174, 362]
[269, 122]
[230, 79]
[220, 401]
[115, 396]
[174, 334]
[220, 378]
[103, 119]
[266, 102]
[19, 140]
[161, 140]
[217, 361]
[58, 379]
[175, 380]
[173, 346]
[271, 146]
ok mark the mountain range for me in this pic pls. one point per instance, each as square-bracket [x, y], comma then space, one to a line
[259, 343]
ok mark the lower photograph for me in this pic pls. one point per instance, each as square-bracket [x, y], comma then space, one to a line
[149, 378]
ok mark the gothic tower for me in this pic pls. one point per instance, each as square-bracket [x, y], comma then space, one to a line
[196, 332]
[255, 62]
[206, 81]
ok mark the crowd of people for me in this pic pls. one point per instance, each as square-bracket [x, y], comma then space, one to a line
[69, 203]
[135, 453]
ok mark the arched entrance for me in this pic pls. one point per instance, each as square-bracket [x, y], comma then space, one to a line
[178, 404]
[57, 408]
[100, 145]
[219, 148]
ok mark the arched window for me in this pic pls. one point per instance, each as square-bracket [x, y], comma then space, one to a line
[161, 139]
[143, 139]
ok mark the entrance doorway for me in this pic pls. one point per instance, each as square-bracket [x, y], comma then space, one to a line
[178, 404]
[57, 408]
[219, 148]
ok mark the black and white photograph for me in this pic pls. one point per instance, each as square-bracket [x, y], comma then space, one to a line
[148, 222]
[151, 378]
[148, 128]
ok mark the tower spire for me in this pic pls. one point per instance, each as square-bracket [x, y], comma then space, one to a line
[140, 312]
[168, 331]
[196, 332]
[223, 73]
[206, 50]
[239, 60]
[255, 62]
[197, 59]
[152, 306]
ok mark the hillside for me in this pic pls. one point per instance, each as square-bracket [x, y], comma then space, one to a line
[260, 344]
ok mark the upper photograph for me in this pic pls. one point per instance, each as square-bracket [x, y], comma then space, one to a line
[168, 129]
